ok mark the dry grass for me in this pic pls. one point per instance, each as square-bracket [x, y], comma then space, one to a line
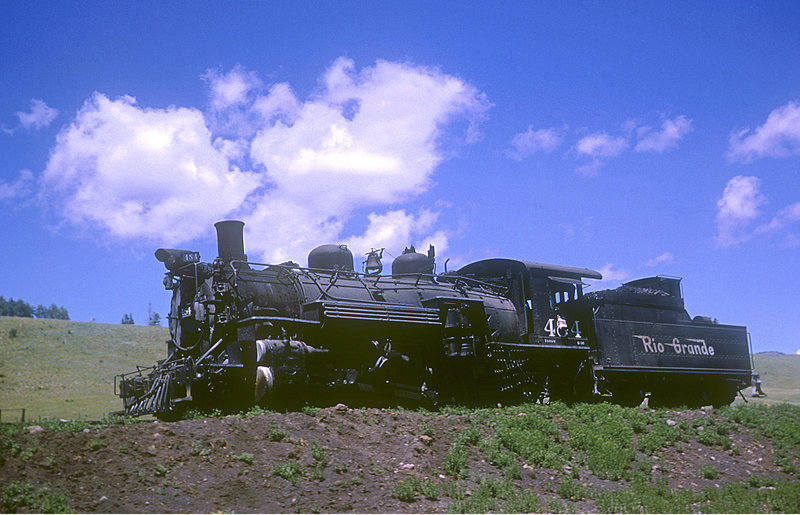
[65, 369]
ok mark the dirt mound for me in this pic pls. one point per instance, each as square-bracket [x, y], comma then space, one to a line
[339, 459]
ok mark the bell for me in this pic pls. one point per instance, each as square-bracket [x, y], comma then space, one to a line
[373, 265]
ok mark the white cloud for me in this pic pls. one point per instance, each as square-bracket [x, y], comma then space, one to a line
[667, 138]
[781, 224]
[527, 143]
[231, 96]
[366, 138]
[786, 216]
[664, 259]
[232, 88]
[612, 274]
[599, 146]
[294, 170]
[737, 208]
[151, 174]
[395, 230]
[740, 208]
[17, 189]
[39, 117]
[779, 136]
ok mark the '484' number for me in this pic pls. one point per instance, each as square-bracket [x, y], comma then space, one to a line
[558, 327]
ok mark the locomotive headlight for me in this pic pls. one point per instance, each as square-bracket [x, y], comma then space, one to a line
[174, 259]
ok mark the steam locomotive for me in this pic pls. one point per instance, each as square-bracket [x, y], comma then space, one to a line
[496, 330]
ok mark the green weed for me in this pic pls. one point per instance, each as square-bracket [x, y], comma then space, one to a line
[470, 436]
[275, 433]
[406, 490]
[534, 438]
[199, 450]
[311, 411]
[320, 461]
[245, 457]
[658, 437]
[455, 462]
[291, 471]
[605, 437]
[19, 495]
[709, 472]
[569, 489]
[429, 489]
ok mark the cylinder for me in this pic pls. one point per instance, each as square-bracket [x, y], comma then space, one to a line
[230, 240]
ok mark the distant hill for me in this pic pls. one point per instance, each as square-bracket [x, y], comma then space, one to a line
[770, 353]
[780, 377]
[59, 368]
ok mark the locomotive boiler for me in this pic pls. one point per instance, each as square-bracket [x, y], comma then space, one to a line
[497, 330]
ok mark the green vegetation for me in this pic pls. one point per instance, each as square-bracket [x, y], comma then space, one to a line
[410, 488]
[292, 471]
[406, 490]
[780, 424]
[244, 457]
[20, 308]
[779, 378]
[311, 411]
[614, 443]
[455, 462]
[709, 472]
[656, 497]
[21, 496]
[199, 450]
[320, 461]
[275, 433]
[64, 369]
[606, 438]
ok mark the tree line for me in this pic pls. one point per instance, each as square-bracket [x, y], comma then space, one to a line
[155, 319]
[20, 308]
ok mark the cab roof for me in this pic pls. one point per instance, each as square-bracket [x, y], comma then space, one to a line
[495, 267]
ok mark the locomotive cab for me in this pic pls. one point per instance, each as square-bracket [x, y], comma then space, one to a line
[546, 298]
[552, 340]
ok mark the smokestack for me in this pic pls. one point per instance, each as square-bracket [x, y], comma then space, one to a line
[230, 240]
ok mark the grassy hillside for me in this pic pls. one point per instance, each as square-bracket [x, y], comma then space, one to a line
[59, 368]
[780, 377]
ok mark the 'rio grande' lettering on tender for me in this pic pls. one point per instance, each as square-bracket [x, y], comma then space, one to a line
[695, 347]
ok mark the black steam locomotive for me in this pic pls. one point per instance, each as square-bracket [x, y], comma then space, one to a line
[497, 330]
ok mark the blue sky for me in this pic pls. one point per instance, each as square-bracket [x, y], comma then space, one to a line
[634, 138]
